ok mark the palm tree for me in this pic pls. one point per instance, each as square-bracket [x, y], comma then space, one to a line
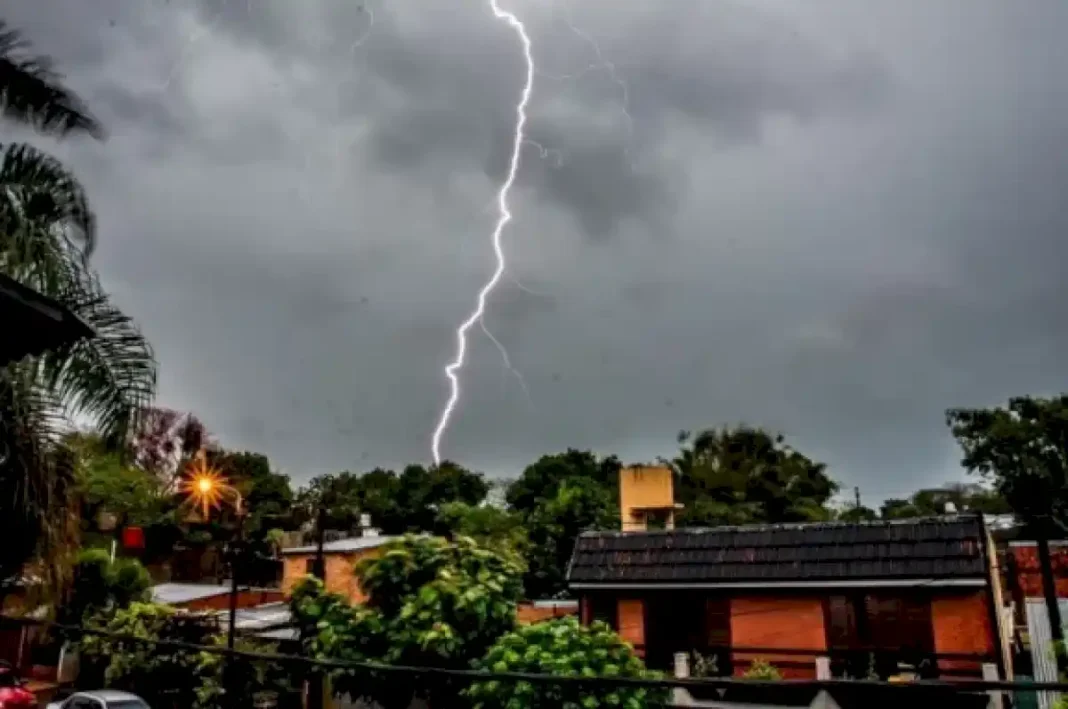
[47, 234]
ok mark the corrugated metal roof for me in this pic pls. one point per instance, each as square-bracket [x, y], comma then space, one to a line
[185, 592]
[939, 547]
[342, 546]
[268, 615]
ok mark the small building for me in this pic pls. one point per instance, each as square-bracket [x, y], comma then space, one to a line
[872, 597]
[340, 556]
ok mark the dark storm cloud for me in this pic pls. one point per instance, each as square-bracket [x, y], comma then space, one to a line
[864, 206]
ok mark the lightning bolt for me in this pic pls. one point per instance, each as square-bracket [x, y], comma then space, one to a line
[507, 361]
[504, 217]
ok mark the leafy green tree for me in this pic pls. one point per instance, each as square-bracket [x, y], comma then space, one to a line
[340, 495]
[162, 675]
[746, 475]
[540, 481]
[431, 602]
[397, 504]
[111, 484]
[491, 527]
[578, 505]
[1022, 449]
[102, 586]
[266, 494]
[562, 647]
[47, 234]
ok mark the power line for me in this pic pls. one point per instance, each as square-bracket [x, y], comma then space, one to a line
[704, 683]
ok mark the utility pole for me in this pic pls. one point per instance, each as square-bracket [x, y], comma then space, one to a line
[316, 695]
[856, 496]
[1049, 591]
[319, 568]
[239, 539]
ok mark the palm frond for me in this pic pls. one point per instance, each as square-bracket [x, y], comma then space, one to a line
[110, 378]
[32, 93]
[37, 474]
[45, 218]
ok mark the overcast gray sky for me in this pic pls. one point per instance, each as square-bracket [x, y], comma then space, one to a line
[834, 219]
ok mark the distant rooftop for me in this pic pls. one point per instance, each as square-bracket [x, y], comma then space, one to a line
[343, 546]
[267, 616]
[174, 593]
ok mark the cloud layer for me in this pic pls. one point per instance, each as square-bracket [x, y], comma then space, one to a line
[832, 220]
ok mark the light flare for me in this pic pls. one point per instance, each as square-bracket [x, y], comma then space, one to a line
[504, 217]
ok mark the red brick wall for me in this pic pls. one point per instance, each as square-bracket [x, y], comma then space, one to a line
[631, 619]
[340, 572]
[790, 623]
[961, 624]
[1029, 573]
[527, 613]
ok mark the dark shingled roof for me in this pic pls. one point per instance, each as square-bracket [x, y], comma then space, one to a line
[33, 323]
[929, 548]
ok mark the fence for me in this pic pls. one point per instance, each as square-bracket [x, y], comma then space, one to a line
[175, 673]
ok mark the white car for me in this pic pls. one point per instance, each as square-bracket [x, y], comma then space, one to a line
[101, 699]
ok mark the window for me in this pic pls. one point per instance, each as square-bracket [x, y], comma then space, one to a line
[880, 632]
[80, 701]
[311, 567]
[603, 608]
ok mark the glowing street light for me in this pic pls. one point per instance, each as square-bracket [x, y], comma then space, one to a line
[206, 488]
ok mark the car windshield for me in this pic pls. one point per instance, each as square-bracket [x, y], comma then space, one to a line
[127, 704]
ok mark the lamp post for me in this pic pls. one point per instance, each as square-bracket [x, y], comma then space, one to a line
[207, 488]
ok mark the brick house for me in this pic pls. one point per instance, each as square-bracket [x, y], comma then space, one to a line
[870, 596]
[340, 556]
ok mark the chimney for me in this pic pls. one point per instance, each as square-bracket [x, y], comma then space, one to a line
[647, 498]
[366, 530]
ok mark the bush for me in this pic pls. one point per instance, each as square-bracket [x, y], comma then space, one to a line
[762, 670]
[163, 676]
[562, 647]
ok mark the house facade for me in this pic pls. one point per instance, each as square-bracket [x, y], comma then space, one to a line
[885, 598]
[341, 556]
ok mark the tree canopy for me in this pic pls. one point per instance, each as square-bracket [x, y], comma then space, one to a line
[1022, 448]
[744, 475]
[431, 602]
[408, 502]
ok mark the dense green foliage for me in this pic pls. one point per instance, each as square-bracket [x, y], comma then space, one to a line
[47, 235]
[102, 586]
[431, 602]
[397, 504]
[746, 475]
[562, 647]
[1022, 448]
[161, 675]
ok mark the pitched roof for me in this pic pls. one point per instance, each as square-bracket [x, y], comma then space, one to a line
[343, 546]
[33, 323]
[946, 549]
